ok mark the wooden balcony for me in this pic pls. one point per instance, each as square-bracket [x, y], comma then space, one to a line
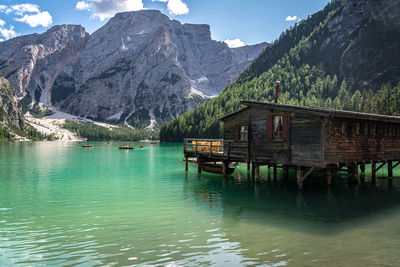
[209, 148]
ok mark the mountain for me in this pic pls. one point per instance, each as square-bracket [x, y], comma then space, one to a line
[141, 68]
[345, 56]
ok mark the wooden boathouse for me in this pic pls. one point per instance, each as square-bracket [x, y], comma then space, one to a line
[306, 139]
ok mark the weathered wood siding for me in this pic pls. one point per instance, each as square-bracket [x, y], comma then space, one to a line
[371, 141]
[305, 139]
[261, 147]
[236, 148]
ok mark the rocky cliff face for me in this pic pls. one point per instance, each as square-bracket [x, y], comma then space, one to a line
[140, 68]
[10, 113]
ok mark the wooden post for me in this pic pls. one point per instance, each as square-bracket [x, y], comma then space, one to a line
[285, 172]
[186, 163]
[225, 167]
[362, 167]
[373, 172]
[275, 170]
[257, 173]
[253, 169]
[355, 173]
[390, 169]
[198, 165]
[299, 178]
[328, 176]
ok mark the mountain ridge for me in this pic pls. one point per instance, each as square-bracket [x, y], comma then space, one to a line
[140, 68]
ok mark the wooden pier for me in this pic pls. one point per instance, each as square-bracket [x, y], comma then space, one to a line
[303, 139]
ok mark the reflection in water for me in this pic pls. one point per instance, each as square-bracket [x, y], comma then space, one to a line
[64, 205]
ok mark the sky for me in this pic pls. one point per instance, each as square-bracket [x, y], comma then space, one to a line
[237, 22]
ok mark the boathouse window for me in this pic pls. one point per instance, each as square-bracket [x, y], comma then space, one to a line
[374, 130]
[386, 130]
[357, 128]
[243, 133]
[278, 128]
[366, 128]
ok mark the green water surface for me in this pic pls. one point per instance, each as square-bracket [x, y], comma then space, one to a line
[64, 205]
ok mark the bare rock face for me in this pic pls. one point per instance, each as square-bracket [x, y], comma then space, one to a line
[140, 68]
[10, 112]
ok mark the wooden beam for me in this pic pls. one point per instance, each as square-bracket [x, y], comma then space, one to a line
[395, 165]
[308, 173]
[275, 171]
[362, 167]
[186, 163]
[383, 164]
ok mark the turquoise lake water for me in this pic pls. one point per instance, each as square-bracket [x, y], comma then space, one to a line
[63, 205]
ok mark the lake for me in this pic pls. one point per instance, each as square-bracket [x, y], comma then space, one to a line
[61, 204]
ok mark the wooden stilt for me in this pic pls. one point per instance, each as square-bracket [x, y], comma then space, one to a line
[355, 173]
[373, 172]
[328, 177]
[253, 169]
[275, 171]
[257, 173]
[199, 165]
[186, 163]
[362, 167]
[248, 165]
[390, 169]
[225, 168]
[285, 172]
[299, 178]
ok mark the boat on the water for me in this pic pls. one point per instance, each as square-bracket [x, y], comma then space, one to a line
[141, 146]
[153, 143]
[216, 168]
[127, 147]
[87, 145]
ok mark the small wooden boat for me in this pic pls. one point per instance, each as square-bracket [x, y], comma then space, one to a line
[126, 147]
[87, 145]
[141, 146]
[153, 143]
[216, 168]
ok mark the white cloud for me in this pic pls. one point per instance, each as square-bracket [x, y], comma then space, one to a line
[82, 5]
[25, 8]
[175, 7]
[234, 43]
[291, 18]
[39, 19]
[7, 33]
[5, 9]
[2, 23]
[104, 9]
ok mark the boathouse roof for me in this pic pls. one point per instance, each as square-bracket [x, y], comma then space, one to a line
[317, 111]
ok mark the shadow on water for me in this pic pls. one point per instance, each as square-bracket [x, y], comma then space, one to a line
[317, 209]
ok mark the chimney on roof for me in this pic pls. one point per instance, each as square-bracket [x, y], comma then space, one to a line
[277, 91]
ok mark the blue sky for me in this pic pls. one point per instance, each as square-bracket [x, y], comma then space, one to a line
[250, 21]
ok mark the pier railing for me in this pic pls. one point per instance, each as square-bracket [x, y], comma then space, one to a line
[206, 147]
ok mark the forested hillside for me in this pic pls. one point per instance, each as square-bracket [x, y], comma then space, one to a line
[344, 57]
